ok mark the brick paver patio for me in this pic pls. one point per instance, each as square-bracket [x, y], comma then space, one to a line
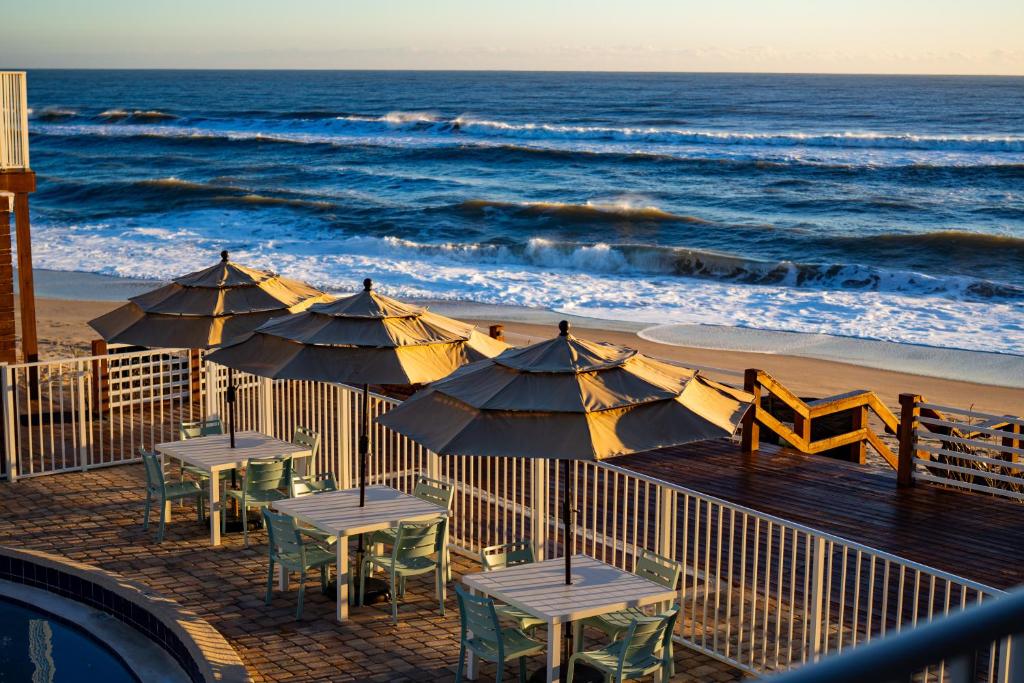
[95, 517]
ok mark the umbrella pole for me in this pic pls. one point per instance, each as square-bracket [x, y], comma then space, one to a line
[570, 528]
[364, 447]
[231, 405]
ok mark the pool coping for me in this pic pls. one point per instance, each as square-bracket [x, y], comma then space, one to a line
[200, 650]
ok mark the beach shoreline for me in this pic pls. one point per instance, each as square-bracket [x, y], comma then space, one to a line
[67, 301]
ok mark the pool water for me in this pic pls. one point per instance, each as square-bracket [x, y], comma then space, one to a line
[39, 648]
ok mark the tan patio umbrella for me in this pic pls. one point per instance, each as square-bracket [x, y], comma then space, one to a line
[568, 399]
[203, 309]
[362, 339]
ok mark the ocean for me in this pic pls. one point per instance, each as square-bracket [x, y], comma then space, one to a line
[882, 207]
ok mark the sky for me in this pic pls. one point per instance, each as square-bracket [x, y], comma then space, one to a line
[820, 36]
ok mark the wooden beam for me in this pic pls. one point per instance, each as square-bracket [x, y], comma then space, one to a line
[26, 283]
[17, 182]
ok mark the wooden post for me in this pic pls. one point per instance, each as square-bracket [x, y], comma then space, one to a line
[8, 333]
[859, 449]
[26, 283]
[497, 332]
[751, 427]
[1014, 441]
[100, 378]
[909, 412]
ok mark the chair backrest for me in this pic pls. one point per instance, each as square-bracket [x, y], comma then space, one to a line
[197, 428]
[304, 486]
[477, 616]
[418, 539]
[506, 555]
[304, 436]
[658, 568]
[646, 639]
[435, 491]
[282, 533]
[266, 474]
[154, 470]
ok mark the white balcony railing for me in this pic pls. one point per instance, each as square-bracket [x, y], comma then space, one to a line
[759, 592]
[13, 121]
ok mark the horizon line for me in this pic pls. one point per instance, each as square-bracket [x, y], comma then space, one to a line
[538, 71]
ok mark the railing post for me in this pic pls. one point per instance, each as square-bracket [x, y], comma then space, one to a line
[751, 428]
[210, 390]
[344, 454]
[433, 465]
[666, 508]
[1014, 441]
[816, 557]
[909, 412]
[266, 405]
[7, 387]
[859, 449]
[84, 422]
[539, 506]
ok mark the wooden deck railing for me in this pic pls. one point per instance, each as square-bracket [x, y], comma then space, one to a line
[858, 404]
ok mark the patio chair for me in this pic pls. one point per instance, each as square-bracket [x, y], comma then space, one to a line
[418, 549]
[497, 557]
[266, 480]
[158, 489]
[440, 493]
[287, 548]
[192, 430]
[305, 486]
[303, 436]
[653, 567]
[489, 641]
[644, 650]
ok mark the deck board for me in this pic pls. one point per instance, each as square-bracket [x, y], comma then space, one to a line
[975, 536]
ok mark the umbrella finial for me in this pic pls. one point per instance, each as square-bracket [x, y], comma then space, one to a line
[563, 328]
[367, 284]
[224, 256]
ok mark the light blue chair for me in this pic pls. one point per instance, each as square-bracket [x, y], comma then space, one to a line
[158, 490]
[644, 650]
[482, 633]
[287, 548]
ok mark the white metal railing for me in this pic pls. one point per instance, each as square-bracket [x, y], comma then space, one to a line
[759, 592]
[91, 411]
[13, 121]
[968, 449]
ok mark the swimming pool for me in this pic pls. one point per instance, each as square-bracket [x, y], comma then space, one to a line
[38, 647]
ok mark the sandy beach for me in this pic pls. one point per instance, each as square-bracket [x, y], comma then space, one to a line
[64, 331]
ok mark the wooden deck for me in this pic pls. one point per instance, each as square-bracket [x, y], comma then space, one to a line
[975, 536]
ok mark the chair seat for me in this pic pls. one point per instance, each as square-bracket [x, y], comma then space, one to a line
[319, 535]
[517, 644]
[315, 556]
[411, 566]
[525, 619]
[607, 660]
[200, 473]
[385, 536]
[181, 489]
[254, 498]
[615, 623]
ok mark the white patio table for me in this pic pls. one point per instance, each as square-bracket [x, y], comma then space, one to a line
[539, 589]
[338, 513]
[214, 455]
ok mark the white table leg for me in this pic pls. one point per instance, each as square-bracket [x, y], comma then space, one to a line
[167, 511]
[215, 511]
[342, 580]
[577, 636]
[282, 578]
[554, 652]
[472, 663]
